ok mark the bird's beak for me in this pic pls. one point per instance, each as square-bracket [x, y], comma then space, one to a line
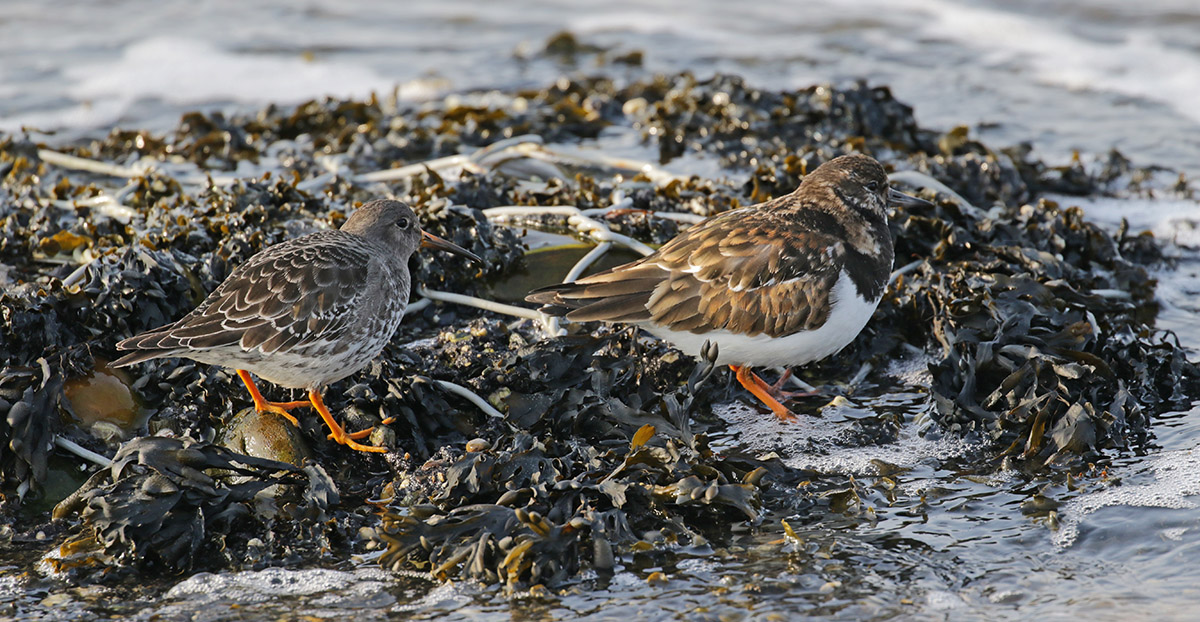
[429, 240]
[899, 199]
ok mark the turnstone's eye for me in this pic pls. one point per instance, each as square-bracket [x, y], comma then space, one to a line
[403, 223]
[873, 186]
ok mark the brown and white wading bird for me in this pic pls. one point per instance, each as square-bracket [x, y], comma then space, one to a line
[304, 313]
[785, 282]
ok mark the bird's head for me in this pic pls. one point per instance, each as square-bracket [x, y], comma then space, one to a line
[861, 182]
[394, 224]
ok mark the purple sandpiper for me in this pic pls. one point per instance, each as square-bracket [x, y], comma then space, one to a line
[785, 282]
[304, 313]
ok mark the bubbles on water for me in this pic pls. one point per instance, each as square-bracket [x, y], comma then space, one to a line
[941, 600]
[442, 597]
[696, 566]
[11, 586]
[1174, 533]
[271, 583]
[826, 443]
[912, 371]
[1173, 220]
[1175, 479]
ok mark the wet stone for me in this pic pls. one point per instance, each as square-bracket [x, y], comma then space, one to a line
[103, 397]
[265, 435]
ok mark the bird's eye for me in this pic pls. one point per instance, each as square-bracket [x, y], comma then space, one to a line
[873, 186]
[403, 223]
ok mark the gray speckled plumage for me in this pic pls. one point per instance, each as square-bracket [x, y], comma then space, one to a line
[303, 313]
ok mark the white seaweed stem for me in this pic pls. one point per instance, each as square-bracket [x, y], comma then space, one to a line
[81, 451]
[919, 179]
[657, 175]
[553, 324]
[470, 395]
[77, 163]
[404, 172]
[77, 274]
[103, 204]
[686, 218]
[418, 305]
[479, 303]
[529, 147]
[795, 381]
[861, 375]
[550, 323]
[586, 261]
[575, 218]
[905, 269]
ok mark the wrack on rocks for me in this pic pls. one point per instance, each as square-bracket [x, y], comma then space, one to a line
[1044, 329]
[1041, 324]
[535, 506]
[176, 504]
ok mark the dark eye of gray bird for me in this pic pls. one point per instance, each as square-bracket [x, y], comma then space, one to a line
[403, 223]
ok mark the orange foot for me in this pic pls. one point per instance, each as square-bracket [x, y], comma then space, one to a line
[314, 399]
[336, 432]
[777, 389]
[262, 405]
[763, 391]
[367, 432]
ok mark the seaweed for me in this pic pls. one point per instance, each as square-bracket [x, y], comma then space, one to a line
[1040, 325]
[169, 503]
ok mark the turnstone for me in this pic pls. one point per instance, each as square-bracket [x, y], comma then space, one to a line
[785, 282]
[304, 313]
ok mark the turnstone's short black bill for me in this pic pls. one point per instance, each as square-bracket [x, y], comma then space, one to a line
[304, 313]
[785, 282]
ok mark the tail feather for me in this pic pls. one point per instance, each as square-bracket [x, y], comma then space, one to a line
[146, 346]
[140, 356]
[578, 302]
[630, 308]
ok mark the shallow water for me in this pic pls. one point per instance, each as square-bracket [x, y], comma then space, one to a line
[942, 532]
[1061, 75]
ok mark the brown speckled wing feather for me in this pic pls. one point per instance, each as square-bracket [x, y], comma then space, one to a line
[745, 271]
[269, 302]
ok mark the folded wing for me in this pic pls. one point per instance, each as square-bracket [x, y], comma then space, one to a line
[743, 271]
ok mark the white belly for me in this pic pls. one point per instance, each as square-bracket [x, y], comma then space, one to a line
[849, 315]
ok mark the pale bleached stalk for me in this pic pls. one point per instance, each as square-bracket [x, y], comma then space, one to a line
[576, 219]
[77, 163]
[479, 303]
[586, 261]
[404, 172]
[802, 385]
[77, 275]
[82, 451]
[919, 179]
[905, 269]
[861, 375]
[471, 396]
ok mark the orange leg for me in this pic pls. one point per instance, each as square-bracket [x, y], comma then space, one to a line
[335, 431]
[262, 405]
[752, 383]
[367, 432]
[777, 388]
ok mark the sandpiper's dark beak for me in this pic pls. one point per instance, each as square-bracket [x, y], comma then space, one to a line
[899, 199]
[429, 240]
